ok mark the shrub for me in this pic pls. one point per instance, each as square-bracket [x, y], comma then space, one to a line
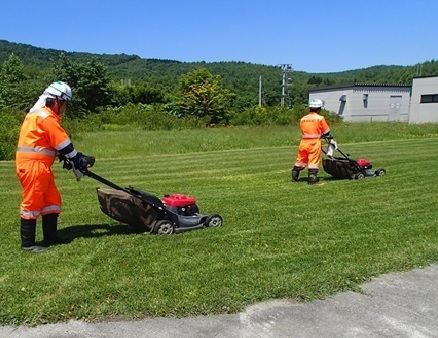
[9, 132]
[278, 115]
[137, 116]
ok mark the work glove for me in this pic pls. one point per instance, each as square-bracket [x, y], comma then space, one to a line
[333, 143]
[66, 162]
[80, 164]
[328, 136]
[332, 146]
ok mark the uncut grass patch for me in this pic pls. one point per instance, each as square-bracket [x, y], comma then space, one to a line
[279, 239]
[106, 144]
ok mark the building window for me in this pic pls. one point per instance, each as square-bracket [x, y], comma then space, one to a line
[429, 98]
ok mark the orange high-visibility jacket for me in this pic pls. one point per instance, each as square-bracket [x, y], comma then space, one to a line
[312, 126]
[41, 138]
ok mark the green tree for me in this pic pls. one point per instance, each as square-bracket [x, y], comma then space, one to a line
[315, 80]
[12, 78]
[89, 82]
[406, 77]
[300, 92]
[202, 95]
[136, 94]
[9, 130]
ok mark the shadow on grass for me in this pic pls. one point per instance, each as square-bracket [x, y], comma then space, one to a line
[331, 178]
[69, 234]
[304, 179]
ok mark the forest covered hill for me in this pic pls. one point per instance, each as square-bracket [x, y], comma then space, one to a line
[240, 77]
[113, 92]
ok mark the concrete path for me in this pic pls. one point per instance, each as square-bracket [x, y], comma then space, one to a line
[393, 305]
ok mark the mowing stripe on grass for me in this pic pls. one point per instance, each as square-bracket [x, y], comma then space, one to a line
[279, 240]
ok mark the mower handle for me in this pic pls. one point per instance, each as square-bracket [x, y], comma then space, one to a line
[143, 196]
[89, 173]
[337, 148]
[67, 165]
[345, 155]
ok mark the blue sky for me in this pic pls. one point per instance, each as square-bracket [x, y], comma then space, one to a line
[313, 36]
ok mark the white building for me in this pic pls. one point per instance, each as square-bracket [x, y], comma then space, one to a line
[424, 100]
[366, 102]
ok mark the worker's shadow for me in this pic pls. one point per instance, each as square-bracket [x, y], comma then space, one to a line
[321, 179]
[329, 178]
[71, 233]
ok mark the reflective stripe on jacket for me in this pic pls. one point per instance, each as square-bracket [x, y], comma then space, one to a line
[313, 126]
[41, 137]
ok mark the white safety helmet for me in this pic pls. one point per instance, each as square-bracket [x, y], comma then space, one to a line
[316, 103]
[59, 89]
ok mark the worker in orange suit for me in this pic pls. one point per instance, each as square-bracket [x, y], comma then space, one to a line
[313, 127]
[41, 140]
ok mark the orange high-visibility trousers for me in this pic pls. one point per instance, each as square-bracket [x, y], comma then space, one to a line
[40, 194]
[309, 154]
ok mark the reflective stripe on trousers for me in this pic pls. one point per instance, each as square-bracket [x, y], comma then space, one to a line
[40, 194]
[309, 154]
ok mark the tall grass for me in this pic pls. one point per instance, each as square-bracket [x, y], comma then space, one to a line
[279, 239]
[137, 143]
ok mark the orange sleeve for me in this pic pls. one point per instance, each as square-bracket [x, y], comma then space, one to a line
[324, 126]
[56, 135]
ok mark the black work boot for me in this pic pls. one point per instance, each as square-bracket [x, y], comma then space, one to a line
[27, 232]
[313, 177]
[295, 174]
[50, 230]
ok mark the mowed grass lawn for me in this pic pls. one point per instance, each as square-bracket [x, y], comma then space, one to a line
[279, 239]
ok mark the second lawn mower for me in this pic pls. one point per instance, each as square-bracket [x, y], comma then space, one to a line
[347, 168]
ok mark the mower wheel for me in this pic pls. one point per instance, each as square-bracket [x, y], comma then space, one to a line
[214, 220]
[163, 227]
[380, 172]
[359, 176]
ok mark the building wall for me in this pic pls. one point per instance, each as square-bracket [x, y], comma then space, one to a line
[424, 112]
[366, 103]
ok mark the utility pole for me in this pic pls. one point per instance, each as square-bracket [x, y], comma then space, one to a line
[260, 91]
[419, 69]
[285, 69]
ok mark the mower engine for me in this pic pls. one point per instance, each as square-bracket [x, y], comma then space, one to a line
[180, 204]
[182, 214]
[363, 163]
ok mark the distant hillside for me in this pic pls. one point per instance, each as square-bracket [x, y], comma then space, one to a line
[241, 77]
[42, 57]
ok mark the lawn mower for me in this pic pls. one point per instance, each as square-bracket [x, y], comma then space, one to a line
[347, 168]
[145, 212]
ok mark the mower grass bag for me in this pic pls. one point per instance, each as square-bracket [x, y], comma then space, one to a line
[347, 168]
[126, 208]
[340, 168]
[146, 212]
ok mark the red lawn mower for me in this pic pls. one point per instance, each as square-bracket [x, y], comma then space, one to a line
[347, 168]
